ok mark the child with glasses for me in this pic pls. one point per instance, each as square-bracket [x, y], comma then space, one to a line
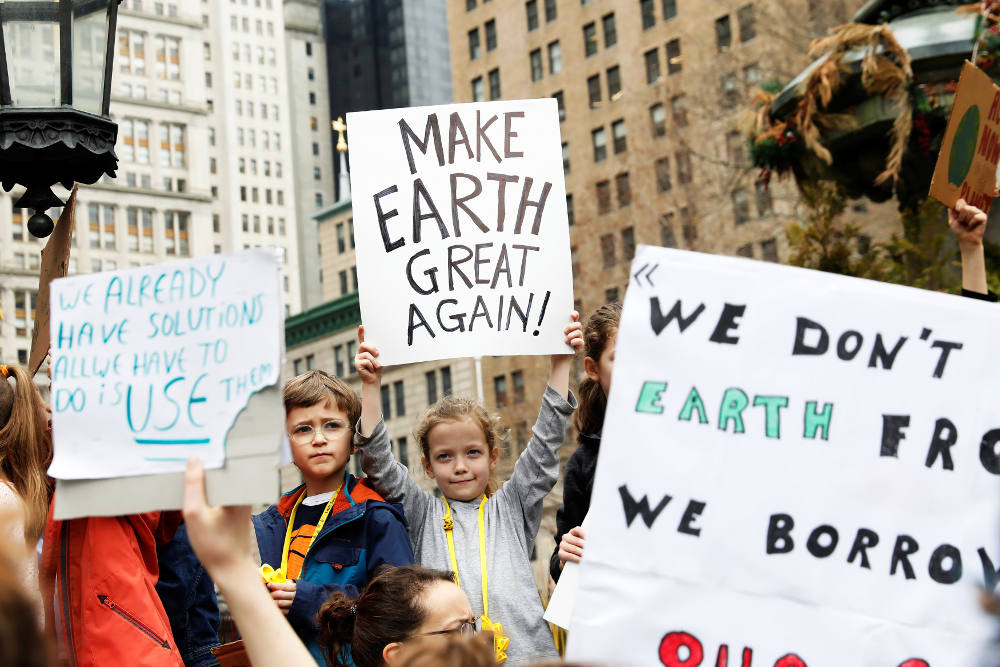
[333, 532]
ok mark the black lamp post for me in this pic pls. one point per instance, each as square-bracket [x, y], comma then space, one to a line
[56, 61]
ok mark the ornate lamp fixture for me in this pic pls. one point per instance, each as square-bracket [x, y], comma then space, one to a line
[56, 62]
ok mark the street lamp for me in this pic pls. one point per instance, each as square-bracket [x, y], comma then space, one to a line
[56, 61]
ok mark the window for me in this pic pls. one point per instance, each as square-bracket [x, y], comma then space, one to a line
[494, 77]
[386, 402]
[734, 148]
[175, 229]
[550, 11]
[517, 381]
[401, 454]
[748, 28]
[474, 48]
[338, 360]
[658, 119]
[741, 206]
[674, 56]
[648, 14]
[565, 152]
[135, 140]
[684, 167]
[521, 441]
[343, 282]
[745, 250]
[309, 48]
[589, 39]
[310, 361]
[569, 209]
[623, 188]
[618, 135]
[168, 58]
[769, 250]
[603, 197]
[491, 35]
[171, 145]
[688, 227]
[432, 392]
[614, 83]
[667, 238]
[594, 90]
[628, 243]
[669, 9]
[678, 110]
[608, 250]
[397, 390]
[531, 7]
[652, 65]
[555, 57]
[536, 64]
[611, 295]
[477, 90]
[500, 389]
[610, 32]
[730, 91]
[558, 96]
[312, 97]
[723, 34]
[446, 381]
[663, 174]
[764, 203]
[470, 5]
[600, 141]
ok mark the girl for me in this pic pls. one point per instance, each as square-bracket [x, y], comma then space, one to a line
[600, 336]
[24, 451]
[408, 606]
[484, 538]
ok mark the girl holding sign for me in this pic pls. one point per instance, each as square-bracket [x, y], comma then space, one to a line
[483, 536]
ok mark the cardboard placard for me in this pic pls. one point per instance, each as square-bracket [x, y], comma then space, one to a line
[461, 230]
[797, 469]
[967, 164]
[55, 264]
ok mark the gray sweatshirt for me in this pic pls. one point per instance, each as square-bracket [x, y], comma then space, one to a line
[512, 516]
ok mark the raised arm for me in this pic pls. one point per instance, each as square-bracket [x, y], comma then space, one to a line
[969, 224]
[387, 475]
[219, 538]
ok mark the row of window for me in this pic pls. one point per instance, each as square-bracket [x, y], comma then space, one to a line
[25, 302]
[741, 202]
[270, 196]
[245, 81]
[768, 250]
[613, 76]
[490, 30]
[724, 32]
[647, 9]
[531, 9]
[555, 61]
[600, 140]
[270, 224]
[251, 54]
[242, 166]
[609, 256]
[345, 234]
[269, 139]
[133, 135]
[158, 7]
[478, 91]
[500, 389]
[140, 91]
[132, 55]
[243, 24]
[590, 34]
[256, 3]
[394, 398]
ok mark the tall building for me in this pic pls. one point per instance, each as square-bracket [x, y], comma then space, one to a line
[650, 96]
[384, 54]
[211, 127]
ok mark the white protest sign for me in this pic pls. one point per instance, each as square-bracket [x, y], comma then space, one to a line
[798, 469]
[461, 230]
[152, 365]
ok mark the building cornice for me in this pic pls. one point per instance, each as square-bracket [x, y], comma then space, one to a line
[196, 110]
[161, 18]
[323, 320]
[301, 27]
[114, 187]
[332, 210]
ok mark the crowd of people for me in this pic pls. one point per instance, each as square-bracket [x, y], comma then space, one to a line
[365, 571]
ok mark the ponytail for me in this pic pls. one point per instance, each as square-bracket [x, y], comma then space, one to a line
[600, 327]
[336, 629]
[25, 446]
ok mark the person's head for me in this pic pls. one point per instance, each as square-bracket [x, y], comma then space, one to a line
[600, 334]
[25, 445]
[455, 651]
[320, 414]
[399, 606]
[460, 443]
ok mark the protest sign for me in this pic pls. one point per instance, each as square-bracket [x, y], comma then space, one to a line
[55, 264]
[152, 365]
[967, 164]
[798, 469]
[461, 230]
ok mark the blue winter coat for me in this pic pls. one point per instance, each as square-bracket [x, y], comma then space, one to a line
[362, 533]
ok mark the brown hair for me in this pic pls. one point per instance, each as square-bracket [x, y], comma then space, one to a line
[601, 326]
[389, 609]
[314, 387]
[25, 446]
[458, 651]
[455, 408]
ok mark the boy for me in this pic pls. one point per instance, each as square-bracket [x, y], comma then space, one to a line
[332, 532]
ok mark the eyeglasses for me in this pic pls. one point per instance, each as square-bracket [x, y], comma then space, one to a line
[464, 629]
[303, 434]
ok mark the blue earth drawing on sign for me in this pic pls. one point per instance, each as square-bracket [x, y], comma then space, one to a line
[963, 146]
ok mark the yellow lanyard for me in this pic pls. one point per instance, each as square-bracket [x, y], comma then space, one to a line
[268, 573]
[500, 642]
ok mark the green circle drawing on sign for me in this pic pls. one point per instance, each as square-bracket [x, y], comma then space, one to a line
[963, 146]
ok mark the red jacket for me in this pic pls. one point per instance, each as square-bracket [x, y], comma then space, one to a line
[103, 573]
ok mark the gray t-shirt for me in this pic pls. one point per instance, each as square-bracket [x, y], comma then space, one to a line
[512, 516]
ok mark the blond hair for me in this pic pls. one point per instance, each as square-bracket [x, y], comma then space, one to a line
[25, 446]
[314, 387]
[451, 409]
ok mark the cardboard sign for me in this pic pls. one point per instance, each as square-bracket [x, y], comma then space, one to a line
[55, 264]
[967, 164]
[798, 469]
[151, 365]
[461, 230]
